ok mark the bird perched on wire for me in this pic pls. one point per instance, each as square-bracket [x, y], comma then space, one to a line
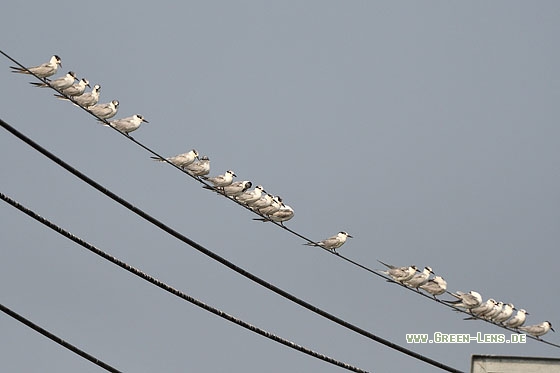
[128, 124]
[250, 196]
[331, 243]
[274, 206]
[284, 213]
[399, 274]
[105, 111]
[262, 202]
[419, 279]
[44, 70]
[76, 89]
[221, 181]
[60, 83]
[199, 168]
[181, 160]
[517, 320]
[468, 300]
[235, 188]
[435, 286]
[537, 330]
[87, 99]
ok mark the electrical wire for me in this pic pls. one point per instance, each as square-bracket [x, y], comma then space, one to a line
[215, 256]
[58, 340]
[174, 291]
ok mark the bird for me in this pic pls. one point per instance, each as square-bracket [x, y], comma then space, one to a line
[435, 286]
[504, 314]
[87, 99]
[468, 300]
[181, 160]
[274, 206]
[235, 188]
[517, 320]
[284, 213]
[419, 279]
[76, 89]
[43, 70]
[331, 243]
[221, 180]
[262, 202]
[249, 196]
[199, 168]
[128, 124]
[105, 111]
[538, 329]
[60, 83]
[496, 309]
[481, 310]
[399, 274]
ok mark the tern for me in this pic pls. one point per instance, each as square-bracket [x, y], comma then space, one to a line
[105, 111]
[181, 160]
[76, 89]
[537, 330]
[504, 314]
[60, 83]
[435, 286]
[235, 188]
[250, 196]
[399, 274]
[42, 71]
[468, 300]
[200, 167]
[284, 213]
[419, 279]
[332, 243]
[128, 124]
[517, 320]
[222, 180]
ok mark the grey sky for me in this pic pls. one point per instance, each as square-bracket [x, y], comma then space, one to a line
[427, 130]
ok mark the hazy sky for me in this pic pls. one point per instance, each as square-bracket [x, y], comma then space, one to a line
[428, 130]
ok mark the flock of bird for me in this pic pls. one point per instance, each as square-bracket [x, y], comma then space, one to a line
[498, 313]
[271, 207]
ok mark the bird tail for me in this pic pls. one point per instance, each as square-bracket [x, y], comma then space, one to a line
[19, 70]
[60, 97]
[42, 85]
[208, 187]
[385, 264]
[311, 244]
[158, 159]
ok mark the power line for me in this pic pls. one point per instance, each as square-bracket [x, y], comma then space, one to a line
[359, 265]
[58, 340]
[174, 291]
[215, 256]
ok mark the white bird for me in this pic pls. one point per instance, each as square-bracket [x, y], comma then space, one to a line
[200, 167]
[537, 330]
[235, 188]
[399, 274]
[504, 314]
[262, 202]
[76, 89]
[332, 243]
[419, 279]
[496, 309]
[128, 124]
[181, 160]
[435, 286]
[468, 300]
[42, 71]
[517, 320]
[249, 196]
[89, 98]
[274, 206]
[60, 83]
[284, 213]
[484, 308]
[222, 180]
[105, 111]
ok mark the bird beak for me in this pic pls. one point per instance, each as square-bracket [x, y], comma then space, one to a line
[552, 329]
[87, 85]
[144, 120]
[350, 236]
